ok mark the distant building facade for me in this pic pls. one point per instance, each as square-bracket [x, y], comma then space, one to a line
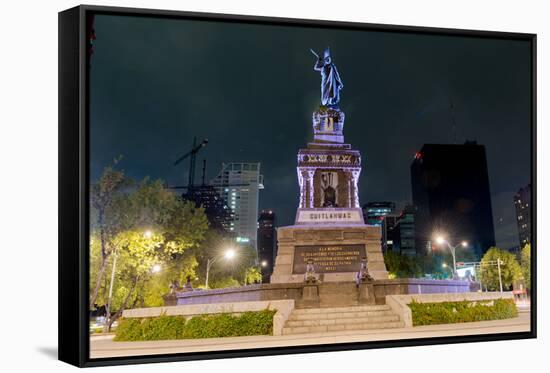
[522, 202]
[216, 209]
[381, 214]
[401, 234]
[239, 184]
[450, 189]
[266, 243]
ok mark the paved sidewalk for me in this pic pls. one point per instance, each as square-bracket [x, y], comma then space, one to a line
[104, 346]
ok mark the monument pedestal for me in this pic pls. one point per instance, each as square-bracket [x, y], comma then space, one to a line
[310, 296]
[336, 251]
[366, 293]
[329, 235]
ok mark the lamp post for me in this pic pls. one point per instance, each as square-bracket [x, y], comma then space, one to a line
[499, 262]
[441, 240]
[229, 254]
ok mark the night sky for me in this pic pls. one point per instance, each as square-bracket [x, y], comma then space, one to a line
[251, 90]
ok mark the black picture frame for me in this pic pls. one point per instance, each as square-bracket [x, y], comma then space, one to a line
[74, 179]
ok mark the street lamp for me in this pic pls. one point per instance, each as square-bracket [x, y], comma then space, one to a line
[440, 240]
[264, 263]
[228, 255]
[156, 268]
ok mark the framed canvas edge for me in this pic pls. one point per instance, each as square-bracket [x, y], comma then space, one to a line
[73, 199]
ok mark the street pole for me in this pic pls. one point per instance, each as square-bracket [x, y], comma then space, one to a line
[209, 263]
[108, 307]
[453, 253]
[499, 274]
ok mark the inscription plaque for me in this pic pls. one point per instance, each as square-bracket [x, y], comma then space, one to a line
[328, 258]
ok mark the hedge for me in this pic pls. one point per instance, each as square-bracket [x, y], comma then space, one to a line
[205, 326]
[462, 311]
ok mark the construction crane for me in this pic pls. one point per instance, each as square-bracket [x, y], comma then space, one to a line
[192, 162]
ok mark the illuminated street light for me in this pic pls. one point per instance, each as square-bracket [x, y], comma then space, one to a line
[440, 240]
[264, 263]
[147, 234]
[156, 268]
[228, 255]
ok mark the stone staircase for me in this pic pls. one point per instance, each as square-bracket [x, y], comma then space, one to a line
[318, 320]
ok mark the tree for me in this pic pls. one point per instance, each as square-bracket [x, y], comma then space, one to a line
[225, 272]
[105, 223]
[151, 225]
[252, 275]
[401, 266]
[525, 260]
[510, 269]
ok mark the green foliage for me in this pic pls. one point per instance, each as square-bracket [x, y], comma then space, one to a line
[141, 224]
[128, 330]
[206, 326]
[224, 272]
[463, 311]
[525, 262]
[223, 282]
[163, 327]
[433, 261]
[253, 275]
[510, 269]
[178, 269]
[401, 266]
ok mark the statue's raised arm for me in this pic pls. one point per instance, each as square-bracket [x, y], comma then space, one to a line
[331, 83]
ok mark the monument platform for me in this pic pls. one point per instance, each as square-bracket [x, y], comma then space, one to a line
[330, 294]
[336, 251]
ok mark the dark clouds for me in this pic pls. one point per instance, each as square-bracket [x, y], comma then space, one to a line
[251, 89]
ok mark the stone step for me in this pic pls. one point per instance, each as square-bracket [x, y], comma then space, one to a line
[338, 315]
[347, 320]
[381, 307]
[341, 327]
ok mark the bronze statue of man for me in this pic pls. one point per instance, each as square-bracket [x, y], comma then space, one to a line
[331, 84]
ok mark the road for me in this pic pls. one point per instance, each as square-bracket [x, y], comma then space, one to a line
[104, 346]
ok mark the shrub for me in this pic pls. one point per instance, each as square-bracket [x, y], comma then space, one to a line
[462, 311]
[128, 330]
[204, 326]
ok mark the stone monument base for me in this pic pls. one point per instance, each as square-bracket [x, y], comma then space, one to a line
[335, 249]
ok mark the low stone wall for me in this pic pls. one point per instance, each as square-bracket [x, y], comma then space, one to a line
[399, 303]
[347, 293]
[259, 292]
[283, 308]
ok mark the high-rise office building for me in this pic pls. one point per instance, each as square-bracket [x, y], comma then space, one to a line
[216, 209]
[239, 184]
[266, 243]
[522, 201]
[373, 212]
[402, 233]
[450, 189]
[383, 215]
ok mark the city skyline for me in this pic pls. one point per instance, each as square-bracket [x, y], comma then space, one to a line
[149, 109]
